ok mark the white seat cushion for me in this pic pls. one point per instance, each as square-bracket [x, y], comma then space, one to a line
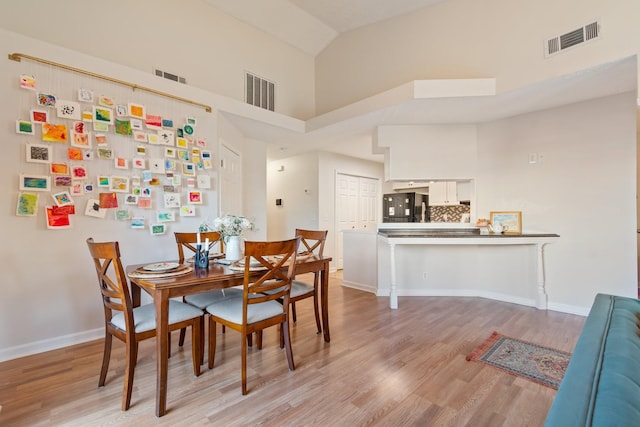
[231, 310]
[145, 316]
[203, 299]
[299, 288]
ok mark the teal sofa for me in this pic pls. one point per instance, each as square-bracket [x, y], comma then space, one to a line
[601, 386]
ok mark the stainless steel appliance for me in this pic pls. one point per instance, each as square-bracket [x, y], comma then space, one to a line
[405, 207]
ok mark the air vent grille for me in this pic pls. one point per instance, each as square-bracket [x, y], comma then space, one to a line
[557, 44]
[170, 76]
[260, 92]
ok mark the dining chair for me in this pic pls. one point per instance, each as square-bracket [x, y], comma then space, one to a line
[187, 241]
[311, 244]
[257, 310]
[134, 324]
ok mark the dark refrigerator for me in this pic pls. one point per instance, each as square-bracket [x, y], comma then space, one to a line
[405, 207]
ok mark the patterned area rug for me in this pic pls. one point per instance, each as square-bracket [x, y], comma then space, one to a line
[540, 364]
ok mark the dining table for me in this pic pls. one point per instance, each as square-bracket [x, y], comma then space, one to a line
[185, 281]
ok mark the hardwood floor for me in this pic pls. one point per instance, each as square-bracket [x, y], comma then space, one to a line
[383, 367]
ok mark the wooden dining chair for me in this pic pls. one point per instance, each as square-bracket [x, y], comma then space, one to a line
[187, 242]
[257, 310]
[311, 244]
[132, 325]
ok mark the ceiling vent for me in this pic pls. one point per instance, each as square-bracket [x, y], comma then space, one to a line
[560, 43]
[260, 92]
[170, 76]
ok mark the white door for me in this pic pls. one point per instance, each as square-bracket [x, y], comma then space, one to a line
[230, 181]
[356, 208]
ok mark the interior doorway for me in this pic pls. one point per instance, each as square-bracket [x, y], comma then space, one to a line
[230, 181]
[357, 201]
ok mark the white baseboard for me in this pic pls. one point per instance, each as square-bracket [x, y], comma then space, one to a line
[359, 286]
[50, 344]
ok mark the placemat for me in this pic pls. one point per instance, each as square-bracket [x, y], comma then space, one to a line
[144, 274]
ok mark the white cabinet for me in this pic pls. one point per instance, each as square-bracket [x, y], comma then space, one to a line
[443, 193]
[409, 185]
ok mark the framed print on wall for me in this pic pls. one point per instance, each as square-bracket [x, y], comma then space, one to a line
[511, 221]
[35, 182]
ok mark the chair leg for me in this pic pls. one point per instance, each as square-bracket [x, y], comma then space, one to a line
[183, 332]
[196, 341]
[293, 312]
[287, 345]
[244, 367]
[250, 340]
[259, 339]
[317, 311]
[169, 346]
[212, 342]
[106, 356]
[129, 370]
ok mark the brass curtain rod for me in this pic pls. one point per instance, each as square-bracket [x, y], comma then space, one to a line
[18, 56]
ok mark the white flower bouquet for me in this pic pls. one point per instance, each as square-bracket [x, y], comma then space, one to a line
[231, 225]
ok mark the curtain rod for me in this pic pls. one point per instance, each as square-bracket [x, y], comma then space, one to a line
[18, 56]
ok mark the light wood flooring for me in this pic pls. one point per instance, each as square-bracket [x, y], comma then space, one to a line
[382, 367]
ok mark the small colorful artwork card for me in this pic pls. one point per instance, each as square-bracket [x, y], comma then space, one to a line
[195, 197]
[62, 181]
[139, 136]
[122, 110]
[153, 139]
[93, 209]
[79, 172]
[77, 188]
[204, 181]
[139, 163]
[87, 116]
[171, 200]
[153, 122]
[59, 169]
[24, 127]
[38, 153]
[121, 163]
[137, 222]
[64, 210]
[166, 137]
[102, 115]
[105, 153]
[187, 210]
[69, 110]
[119, 184]
[88, 188]
[101, 139]
[46, 100]
[85, 95]
[27, 82]
[103, 180]
[39, 116]
[55, 220]
[82, 140]
[122, 215]
[144, 203]
[188, 169]
[156, 165]
[79, 127]
[167, 123]
[108, 200]
[169, 165]
[136, 124]
[170, 152]
[35, 182]
[54, 132]
[131, 199]
[101, 126]
[158, 229]
[27, 204]
[136, 110]
[123, 127]
[62, 198]
[87, 154]
[106, 101]
[75, 154]
[165, 217]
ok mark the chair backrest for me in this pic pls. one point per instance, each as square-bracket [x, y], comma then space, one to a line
[112, 281]
[274, 282]
[188, 240]
[311, 241]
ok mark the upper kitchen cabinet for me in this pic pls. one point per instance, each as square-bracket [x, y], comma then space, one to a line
[443, 193]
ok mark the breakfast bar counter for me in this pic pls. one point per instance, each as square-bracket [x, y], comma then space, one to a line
[477, 265]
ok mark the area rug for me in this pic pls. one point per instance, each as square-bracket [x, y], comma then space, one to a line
[540, 364]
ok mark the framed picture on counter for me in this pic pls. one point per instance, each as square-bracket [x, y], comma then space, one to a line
[511, 221]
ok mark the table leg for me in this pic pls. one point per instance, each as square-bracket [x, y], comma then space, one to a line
[541, 300]
[161, 302]
[393, 293]
[324, 294]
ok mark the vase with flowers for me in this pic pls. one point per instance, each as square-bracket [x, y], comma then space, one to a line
[231, 228]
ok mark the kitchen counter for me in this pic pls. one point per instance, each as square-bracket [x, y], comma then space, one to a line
[462, 236]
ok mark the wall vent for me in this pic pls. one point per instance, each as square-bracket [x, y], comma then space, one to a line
[260, 92]
[170, 76]
[557, 44]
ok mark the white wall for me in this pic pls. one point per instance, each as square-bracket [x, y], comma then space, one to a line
[188, 38]
[583, 188]
[48, 284]
[471, 39]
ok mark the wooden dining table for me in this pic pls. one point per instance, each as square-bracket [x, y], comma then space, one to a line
[217, 276]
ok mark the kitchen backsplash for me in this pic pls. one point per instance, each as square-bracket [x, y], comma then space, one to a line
[448, 213]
